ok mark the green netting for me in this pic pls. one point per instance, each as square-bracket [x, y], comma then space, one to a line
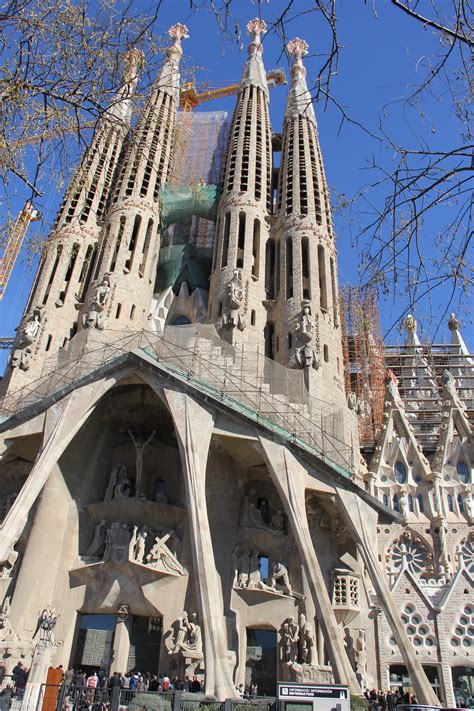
[181, 262]
[178, 203]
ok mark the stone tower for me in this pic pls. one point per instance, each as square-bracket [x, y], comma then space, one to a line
[304, 279]
[237, 289]
[120, 294]
[63, 277]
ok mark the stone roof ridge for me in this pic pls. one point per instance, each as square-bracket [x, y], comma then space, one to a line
[299, 101]
[254, 73]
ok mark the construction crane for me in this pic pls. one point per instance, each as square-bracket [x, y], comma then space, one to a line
[189, 98]
[13, 246]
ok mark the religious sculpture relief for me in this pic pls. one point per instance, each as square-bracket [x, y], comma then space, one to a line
[247, 573]
[444, 563]
[236, 293]
[117, 543]
[279, 579]
[20, 359]
[31, 328]
[188, 643]
[360, 657]
[93, 318]
[298, 653]
[305, 330]
[469, 505]
[255, 512]
[140, 445]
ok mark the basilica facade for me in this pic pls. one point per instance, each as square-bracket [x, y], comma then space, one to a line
[184, 486]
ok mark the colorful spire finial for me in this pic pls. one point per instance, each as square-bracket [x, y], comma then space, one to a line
[134, 60]
[410, 324]
[256, 27]
[178, 32]
[297, 47]
[453, 323]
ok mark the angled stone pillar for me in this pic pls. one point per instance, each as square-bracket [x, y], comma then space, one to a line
[290, 479]
[194, 425]
[63, 420]
[362, 520]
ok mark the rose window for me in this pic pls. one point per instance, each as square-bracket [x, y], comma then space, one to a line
[466, 553]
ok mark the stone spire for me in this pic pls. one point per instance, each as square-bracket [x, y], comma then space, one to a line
[299, 101]
[237, 291]
[254, 72]
[457, 342]
[307, 328]
[64, 273]
[124, 275]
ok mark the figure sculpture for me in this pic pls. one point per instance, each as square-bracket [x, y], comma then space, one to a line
[139, 445]
[118, 473]
[100, 295]
[304, 330]
[279, 579]
[31, 328]
[307, 641]
[96, 547]
[236, 296]
[289, 639]
[188, 640]
[404, 504]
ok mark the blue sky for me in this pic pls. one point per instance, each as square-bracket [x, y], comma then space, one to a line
[380, 56]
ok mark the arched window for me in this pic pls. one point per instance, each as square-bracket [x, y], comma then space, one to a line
[400, 472]
[385, 499]
[463, 472]
[460, 503]
[421, 505]
[450, 503]
[181, 321]
[395, 502]
[410, 502]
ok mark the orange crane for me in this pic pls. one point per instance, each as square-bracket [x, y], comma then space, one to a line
[189, 99]
[13, 246]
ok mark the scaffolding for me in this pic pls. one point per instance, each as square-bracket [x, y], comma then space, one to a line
[363, 351]
[242, 379]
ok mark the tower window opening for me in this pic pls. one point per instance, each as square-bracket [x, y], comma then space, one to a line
[225, 241]
[113, 262]
[256, 249]
[289, 171]
[323, 294]
[103, 245]
[400, 473]
[410, 502]
[450, 503]
[48, 342]
[314, 173]
[305, 268]
[132, 312]
[277, 267]
[270, 268]
[216, 244]
[252, 317]
[289, 268]
[133, 241]
[326, 354]
[460, 504]
[421, 506]
[146, 248]
[462, 472]
[395, 502]
[244, 176]
[385, 499]
[302, 169]
[119, 309]
[88, 265]
[219, 308]
[69, 271]
[290, 340]
[333, 289]
[53, 273]
[269, 333]
[241, 241]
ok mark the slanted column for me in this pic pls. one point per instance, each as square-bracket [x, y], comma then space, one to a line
[289, 478]
[194, 425]
[362, 521]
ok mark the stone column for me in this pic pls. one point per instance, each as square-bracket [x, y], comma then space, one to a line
[122, 643]
[37, 675]
[194, 425]
[362, 520]
[289, 477]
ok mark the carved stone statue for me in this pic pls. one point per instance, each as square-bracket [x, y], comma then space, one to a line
[289, 640]
[307, 641]
[304, 330]
[140, 543]
[31, 328]
[161, 497]
[236, 297]
[278, 520]
[117, 543]
[444, 561]
[93, 316]
[404, 510]
[360, 654]
[279, 579]
[123, 488]
[161, 557]
[46, 624]
[469, 504]
[188, 640]
[97, 545]
[139, 445]
[20, 359]
[118, 473]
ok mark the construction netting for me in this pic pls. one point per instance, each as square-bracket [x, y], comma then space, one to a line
[198, 155]
[179, 203]
[242, 378]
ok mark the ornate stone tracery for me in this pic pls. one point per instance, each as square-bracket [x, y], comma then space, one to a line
[409, 552]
